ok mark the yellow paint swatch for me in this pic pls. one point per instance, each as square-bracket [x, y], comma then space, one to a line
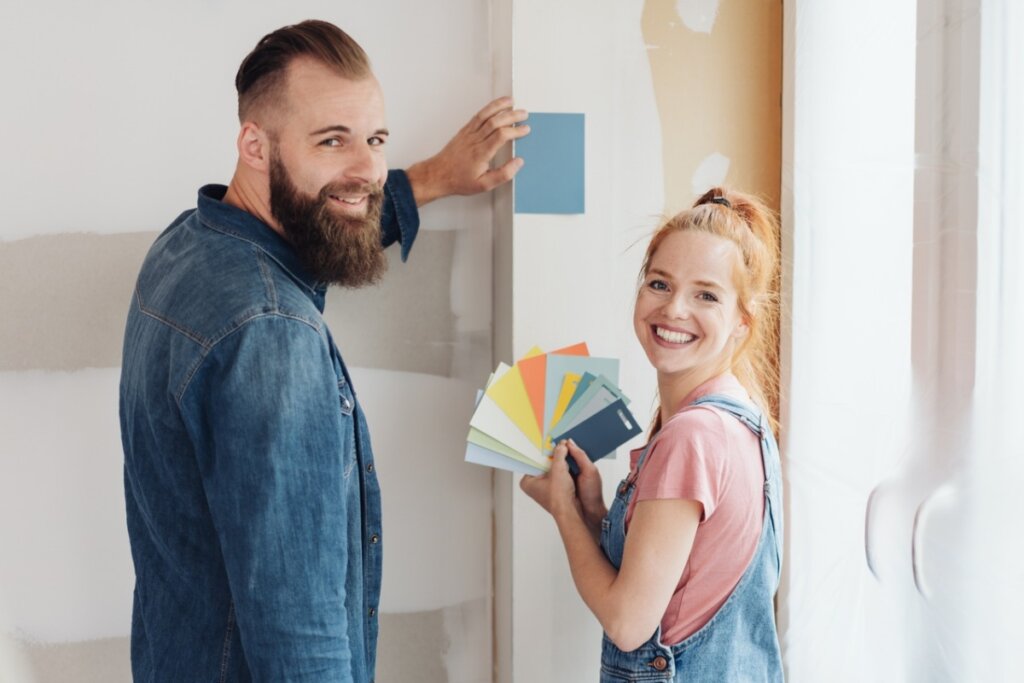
[509, 393]
[569, 382]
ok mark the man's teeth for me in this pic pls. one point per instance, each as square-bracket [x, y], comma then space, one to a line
[349, 201]
[673, 337]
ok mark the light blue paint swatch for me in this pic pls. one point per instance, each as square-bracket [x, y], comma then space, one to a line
[479, 455]
[552, 179]
[557, 366]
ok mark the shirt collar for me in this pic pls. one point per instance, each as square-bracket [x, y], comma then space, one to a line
[230, 220]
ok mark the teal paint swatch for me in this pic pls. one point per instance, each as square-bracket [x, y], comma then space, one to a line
[552, 178]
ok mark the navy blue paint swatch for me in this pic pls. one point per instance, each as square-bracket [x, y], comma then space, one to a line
[600, 434]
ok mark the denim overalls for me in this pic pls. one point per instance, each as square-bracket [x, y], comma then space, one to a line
[740, 642]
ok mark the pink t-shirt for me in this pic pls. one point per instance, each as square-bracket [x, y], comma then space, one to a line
[707, 455]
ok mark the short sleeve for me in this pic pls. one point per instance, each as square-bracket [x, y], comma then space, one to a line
[687, 461]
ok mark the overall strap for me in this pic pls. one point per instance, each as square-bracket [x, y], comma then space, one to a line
[643, 456]
[757, 422]
[744, 412]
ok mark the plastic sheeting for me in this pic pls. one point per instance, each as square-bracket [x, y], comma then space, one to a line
[902, 203]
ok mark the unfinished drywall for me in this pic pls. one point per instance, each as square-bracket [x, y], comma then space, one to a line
[122, 113]
[717, 73]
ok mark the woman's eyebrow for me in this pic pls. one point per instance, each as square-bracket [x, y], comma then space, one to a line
[709, 284]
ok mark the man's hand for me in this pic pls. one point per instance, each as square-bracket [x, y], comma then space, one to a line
[464, 165]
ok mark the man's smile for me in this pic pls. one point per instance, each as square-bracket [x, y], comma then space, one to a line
[353, 201]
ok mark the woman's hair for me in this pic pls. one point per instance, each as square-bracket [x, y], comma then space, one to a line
[753, 228]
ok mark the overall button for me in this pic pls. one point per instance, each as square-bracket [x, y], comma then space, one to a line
[660, 663]
[374, 538]
[369, 468]
[373, 611]
[622, 490]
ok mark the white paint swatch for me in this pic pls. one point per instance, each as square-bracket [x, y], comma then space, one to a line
[710, 172]
[698, 15]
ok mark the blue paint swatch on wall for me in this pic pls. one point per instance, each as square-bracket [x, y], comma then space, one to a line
[551, 180]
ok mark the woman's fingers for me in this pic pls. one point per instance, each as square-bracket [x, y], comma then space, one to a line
[579, 455]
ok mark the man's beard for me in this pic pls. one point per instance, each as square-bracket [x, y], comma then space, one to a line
[336, 249]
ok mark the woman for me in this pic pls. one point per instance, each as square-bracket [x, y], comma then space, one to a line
[682, 570]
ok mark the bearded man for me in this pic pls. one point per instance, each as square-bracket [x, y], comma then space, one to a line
[253, 507]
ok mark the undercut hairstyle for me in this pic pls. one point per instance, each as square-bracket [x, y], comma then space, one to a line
[262, 77]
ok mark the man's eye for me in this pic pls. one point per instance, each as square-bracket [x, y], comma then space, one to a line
[330, 142]
[376, 141]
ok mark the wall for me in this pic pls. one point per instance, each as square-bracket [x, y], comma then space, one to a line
[115, 114]
[122, 111]
[671, 107]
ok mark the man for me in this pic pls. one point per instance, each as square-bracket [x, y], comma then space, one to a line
[252, 502]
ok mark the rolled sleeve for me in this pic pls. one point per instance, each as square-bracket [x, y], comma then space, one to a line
[400, 218]
[265, 413]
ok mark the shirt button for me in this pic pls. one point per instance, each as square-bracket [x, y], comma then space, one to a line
[660, 663]
[373, 611]
[374, 538]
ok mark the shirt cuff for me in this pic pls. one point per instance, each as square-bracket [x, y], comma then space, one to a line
[400, 218]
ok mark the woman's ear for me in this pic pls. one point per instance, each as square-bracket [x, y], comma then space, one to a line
[742, 328]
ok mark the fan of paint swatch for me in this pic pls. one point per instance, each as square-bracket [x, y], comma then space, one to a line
[545, 397]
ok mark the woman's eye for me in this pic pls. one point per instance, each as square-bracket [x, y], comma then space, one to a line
[658, 285]
[708, 296]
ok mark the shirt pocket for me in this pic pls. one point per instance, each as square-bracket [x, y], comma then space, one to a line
[347, 405]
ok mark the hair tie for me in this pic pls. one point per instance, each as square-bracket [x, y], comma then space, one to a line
[721, 200]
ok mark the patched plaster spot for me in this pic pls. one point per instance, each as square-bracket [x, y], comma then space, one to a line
[698, 15]
[710, 172]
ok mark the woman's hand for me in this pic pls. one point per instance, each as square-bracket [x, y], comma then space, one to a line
[554, 490]
[588, 488]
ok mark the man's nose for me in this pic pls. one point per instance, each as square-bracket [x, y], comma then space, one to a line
[365, 165]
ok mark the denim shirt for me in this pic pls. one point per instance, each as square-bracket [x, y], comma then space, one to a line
[253, 507]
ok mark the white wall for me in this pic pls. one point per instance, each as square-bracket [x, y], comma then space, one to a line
[573, 277]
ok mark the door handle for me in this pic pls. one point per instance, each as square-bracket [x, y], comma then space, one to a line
[920, 520]
[868, 556]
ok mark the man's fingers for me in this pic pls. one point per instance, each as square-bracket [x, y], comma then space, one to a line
[492, 143]
[489, 110]
[504, 173]
[499, 136]
[506, 118]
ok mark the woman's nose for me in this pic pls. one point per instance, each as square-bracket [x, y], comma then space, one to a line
[678, 307]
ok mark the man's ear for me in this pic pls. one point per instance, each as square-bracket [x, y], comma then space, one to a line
[254, 147]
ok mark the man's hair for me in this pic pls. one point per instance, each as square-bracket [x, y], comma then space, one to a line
[261, 78]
